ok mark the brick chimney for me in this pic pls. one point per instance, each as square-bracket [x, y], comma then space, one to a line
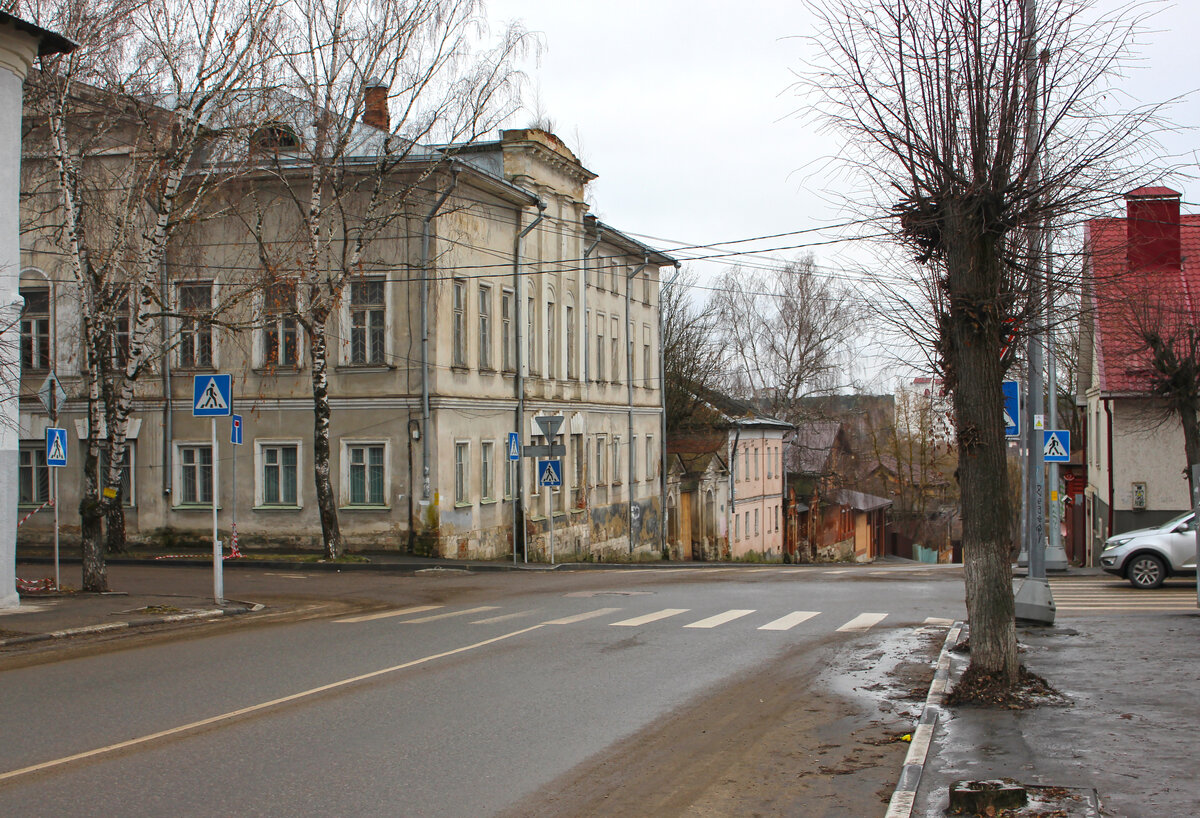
[375, 104]
[1152, 229]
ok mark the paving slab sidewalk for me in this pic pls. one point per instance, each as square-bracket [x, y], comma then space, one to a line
[1130, 731]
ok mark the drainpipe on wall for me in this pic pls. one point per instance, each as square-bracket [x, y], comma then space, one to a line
[662, 396]
[425, 488]
[629, 388]
[519, 380]
[1111, 466]
[737, 435]
[168, 429]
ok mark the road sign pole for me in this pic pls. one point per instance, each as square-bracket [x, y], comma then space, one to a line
[218, 577]
[550, 492]
[57, 580]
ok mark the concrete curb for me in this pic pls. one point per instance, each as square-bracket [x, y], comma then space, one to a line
[905, 794]
[191, 616]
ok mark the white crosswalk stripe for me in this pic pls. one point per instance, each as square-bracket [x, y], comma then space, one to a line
[1091, 595]
[387, 614]
[571, 620]
[785, 623]
[721, 618]
[863, 622]
[491, 620]
[646, 619]
[449, 615]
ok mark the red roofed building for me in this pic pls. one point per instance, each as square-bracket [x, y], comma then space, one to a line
[1142, 267]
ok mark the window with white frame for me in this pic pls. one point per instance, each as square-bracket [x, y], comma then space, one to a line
[487, 466]
[632, 360]
[756, 459]
[126, 487]
[646, 287]
[368, 316]
[35, 328]
[531, 336]
[615, 344]
[572, 364]
[485, 326]
[600, 466]
[506, 330]
[577, 462]
[459, 327]
[462, 472]
[278, 472]
[551, 342]
[601, 323]
[510, 478]
[195, 326]
[194, 473]
[633, 458]
[33, 475]
[756, 522]
[616, 459]
[280, 337]
[364, 474]
[647, 368]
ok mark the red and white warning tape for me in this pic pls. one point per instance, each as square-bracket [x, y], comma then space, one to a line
[234, 553]
[35, 511]
[30, 585]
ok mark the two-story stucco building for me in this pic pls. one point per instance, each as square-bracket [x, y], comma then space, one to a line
[496, 299]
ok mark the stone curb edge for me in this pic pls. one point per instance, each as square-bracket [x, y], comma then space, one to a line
[905, 794]
[107, 627]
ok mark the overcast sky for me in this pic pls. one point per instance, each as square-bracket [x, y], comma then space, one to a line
[685, 111]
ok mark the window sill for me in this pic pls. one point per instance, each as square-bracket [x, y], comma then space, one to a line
[464, 505]
[363, 368]
[277, 508]
[365, 508]
[204, 368]
[460, 368]
[195, 507]
[487, 370]
[488, 501]
[268, 370]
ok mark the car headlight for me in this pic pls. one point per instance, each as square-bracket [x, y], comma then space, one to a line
[1111, 544]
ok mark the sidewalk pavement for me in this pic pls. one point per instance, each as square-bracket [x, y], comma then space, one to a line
[1125, 736]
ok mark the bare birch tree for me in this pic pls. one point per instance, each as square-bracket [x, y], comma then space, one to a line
[420, 73]
[784, 332]
[124, 125]
[937, 99]
[692, 353]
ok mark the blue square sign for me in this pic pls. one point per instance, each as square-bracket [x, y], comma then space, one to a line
[212, 396]
[56, 447]
[1056, 445]
[1012, 409]
[514, 446]
[550, 473]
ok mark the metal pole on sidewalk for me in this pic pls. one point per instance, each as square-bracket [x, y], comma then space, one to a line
[1196, 522]
[218, 578]
[57, 579]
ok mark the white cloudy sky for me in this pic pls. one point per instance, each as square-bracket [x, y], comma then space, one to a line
[684, 111]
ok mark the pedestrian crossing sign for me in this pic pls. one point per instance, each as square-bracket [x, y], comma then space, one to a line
[550, 473]
[1012, 409]
[1056, 445]
[514, 446]
[56, 447]
[212, 396]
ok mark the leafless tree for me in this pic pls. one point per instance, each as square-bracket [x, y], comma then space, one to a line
[692, 354]
[938, 100]
[123, 121]
[337, 190]
[784, 331]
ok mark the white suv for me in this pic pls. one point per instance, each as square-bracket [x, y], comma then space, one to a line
[1148, 556]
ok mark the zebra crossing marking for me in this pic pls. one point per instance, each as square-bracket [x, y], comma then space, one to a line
[503, 617]
[449, 615]
[788, 622]
[863, 622]
[721, 618]
[571, 620]
[646, 619]
[412, 609]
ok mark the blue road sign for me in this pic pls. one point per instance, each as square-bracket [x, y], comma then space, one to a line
[235, 430]
[514, 446]
[1056, 445]
[1012, 409]
[212, 396]
[550, 473]
[56, 447]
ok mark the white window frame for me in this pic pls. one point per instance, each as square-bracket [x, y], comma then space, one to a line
[484, 308]
[214, 347]
[260, 463]
[36, 450]
[345, 445]
[347, 345]
[459, 342]
[260, 335]
[177, 498]
[40, 336]
[487, 469]
[600, 478]
[507, 337]
[462, 473]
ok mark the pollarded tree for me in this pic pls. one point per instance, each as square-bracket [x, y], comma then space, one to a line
[940, 101]
[359, 91]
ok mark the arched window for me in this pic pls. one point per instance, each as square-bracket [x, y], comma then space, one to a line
[274, 138]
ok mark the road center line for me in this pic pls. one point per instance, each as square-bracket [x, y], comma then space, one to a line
[255, 708]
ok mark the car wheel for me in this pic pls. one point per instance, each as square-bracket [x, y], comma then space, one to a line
[1146, 571]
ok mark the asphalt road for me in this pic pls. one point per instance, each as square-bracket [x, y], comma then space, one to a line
[438, 695]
